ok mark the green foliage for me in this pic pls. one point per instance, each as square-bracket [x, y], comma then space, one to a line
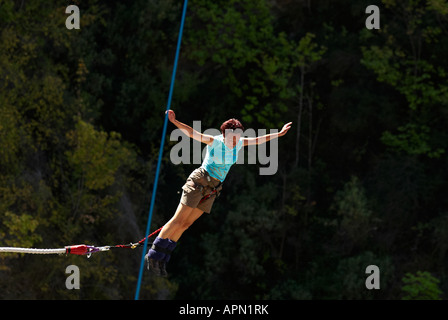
[21, 230]
[418, 77]
[356, 219]
[256, 63]
[95, 156]
[420, 286]
[413, 140]
[350, 276]
[61, 180]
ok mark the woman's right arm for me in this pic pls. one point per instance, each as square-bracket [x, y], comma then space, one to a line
[189, 131]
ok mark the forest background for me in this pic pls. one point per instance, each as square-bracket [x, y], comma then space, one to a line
[362, 175]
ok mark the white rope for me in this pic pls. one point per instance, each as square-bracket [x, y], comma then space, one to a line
[32, 250]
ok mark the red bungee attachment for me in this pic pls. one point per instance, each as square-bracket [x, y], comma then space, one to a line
[80, 249]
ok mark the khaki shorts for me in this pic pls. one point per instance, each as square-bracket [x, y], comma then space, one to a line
[196, 187]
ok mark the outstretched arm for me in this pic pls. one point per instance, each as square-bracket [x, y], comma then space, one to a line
[267, 137]
[189, 131]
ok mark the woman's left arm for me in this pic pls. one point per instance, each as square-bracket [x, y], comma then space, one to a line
[267, 137]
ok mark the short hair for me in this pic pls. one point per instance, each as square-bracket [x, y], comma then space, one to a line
[231, 124]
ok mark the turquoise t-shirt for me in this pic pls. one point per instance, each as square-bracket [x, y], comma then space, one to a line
[219, 158]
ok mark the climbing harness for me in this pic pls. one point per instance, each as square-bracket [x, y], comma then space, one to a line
[214, 189]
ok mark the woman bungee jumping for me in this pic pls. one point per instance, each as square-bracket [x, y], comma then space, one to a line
[203, 185]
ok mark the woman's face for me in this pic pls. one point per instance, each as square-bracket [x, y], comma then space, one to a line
[232, 137]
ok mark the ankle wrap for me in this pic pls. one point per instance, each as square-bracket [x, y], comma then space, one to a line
[160, 249]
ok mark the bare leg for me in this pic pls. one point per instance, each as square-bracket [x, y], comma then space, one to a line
[158, 256]
[183, 218]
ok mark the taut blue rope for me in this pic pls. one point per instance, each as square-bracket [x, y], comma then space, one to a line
[165, 124]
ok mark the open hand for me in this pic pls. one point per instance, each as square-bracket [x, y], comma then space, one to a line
[285, 128]
[171, 115]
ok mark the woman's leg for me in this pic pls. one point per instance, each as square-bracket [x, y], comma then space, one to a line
[183, 218]
[164, 244]
[193, 216]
